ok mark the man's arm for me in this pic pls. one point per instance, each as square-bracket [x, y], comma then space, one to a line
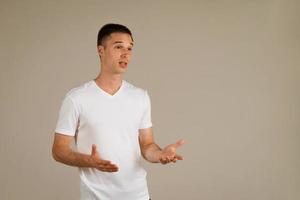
[62, 152]
[153, 153]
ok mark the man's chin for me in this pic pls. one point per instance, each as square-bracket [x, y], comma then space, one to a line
[123, 67]
[120, 71]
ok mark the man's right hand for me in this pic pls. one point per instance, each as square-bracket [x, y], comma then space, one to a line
[62, 152]
[102, 165]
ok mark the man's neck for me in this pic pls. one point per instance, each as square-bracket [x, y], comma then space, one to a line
[109, 83]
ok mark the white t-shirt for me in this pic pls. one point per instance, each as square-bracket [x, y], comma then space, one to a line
[112, 123]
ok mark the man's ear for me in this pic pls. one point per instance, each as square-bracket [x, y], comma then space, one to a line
[100, 49]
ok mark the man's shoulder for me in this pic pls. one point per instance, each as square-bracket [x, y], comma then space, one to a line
[135, 89]
[80, 90]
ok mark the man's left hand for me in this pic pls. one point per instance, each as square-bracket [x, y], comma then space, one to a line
[168, 154]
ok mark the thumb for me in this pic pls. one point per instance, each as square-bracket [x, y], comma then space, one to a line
[179, 143]
[94, 150]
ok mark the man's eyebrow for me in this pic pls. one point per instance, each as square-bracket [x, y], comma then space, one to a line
[116, 42]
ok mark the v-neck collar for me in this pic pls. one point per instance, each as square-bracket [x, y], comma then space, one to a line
[106, 93]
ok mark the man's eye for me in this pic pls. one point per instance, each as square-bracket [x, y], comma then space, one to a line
[129, 49]
[119, 47]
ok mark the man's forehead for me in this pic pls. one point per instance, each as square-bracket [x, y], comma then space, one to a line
[122, 42]
[116, 38]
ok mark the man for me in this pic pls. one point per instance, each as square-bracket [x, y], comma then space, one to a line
[110, 120]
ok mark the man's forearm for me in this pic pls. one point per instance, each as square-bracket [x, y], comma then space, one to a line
[72, 158]
[152, 152]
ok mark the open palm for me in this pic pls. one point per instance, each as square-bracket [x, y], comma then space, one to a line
[169, 154]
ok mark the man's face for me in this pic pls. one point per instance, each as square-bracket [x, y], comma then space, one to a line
[116, 53]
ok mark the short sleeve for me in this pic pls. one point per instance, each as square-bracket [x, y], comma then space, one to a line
[68, 117]
[146, 117]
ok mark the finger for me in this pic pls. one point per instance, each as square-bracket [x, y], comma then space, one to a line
[111, 169]
[179, 157]
[172, 159]
[94, 149]
[163, 161]
[167, 159]
[103, 169]
[108, 168]
[102, 166]
[104, 162]
[179, 143]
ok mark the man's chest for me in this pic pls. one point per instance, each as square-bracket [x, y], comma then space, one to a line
[103, 114]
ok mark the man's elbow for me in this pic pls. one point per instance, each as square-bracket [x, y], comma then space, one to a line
[55, 155]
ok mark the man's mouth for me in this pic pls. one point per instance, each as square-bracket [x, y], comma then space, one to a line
[123, 64]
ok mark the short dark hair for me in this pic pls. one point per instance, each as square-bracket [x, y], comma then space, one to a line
[108, 29]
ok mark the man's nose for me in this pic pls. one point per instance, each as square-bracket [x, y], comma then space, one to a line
[125, 53]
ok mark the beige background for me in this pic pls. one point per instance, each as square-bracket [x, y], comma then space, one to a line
[224, 75]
